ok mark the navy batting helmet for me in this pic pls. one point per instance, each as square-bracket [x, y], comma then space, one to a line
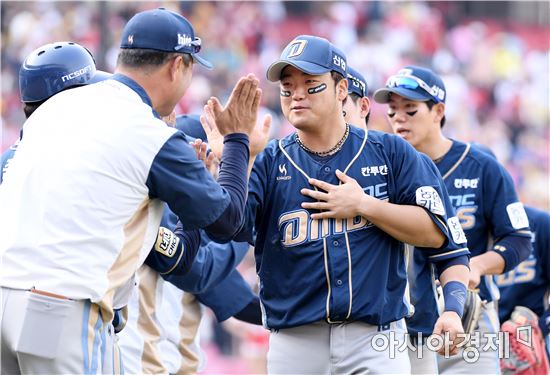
[55, 67]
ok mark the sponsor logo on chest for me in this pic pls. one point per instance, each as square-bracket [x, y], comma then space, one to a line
[466, 183]
[283, 174]
[374, 170]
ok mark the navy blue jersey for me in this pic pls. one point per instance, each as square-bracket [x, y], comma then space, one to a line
[344, 269]
[484, 197]
[528, 284]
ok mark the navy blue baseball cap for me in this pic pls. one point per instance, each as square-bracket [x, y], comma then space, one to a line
[310, 54]
[357, 84]
[191, 126]
[414, 83]
[162, 30]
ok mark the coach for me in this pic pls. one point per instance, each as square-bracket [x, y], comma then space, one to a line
[82, 200]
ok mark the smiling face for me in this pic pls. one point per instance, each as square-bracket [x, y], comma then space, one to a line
[413, 120]
[309, 101]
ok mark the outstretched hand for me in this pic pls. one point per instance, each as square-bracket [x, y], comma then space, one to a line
[336, 201]
[240, 113]
[258, 138]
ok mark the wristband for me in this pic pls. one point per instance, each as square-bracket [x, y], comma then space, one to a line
[454, 294]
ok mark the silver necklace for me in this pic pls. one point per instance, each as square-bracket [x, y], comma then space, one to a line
[330, 152]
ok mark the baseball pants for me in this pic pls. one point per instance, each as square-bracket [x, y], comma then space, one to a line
[348, 348]
[423, 360]
[484, 342]
[45, 334]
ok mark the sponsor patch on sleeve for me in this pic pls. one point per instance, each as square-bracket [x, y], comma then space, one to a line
[427, 197]
[517, 215]
[456, 230]
[167, 242]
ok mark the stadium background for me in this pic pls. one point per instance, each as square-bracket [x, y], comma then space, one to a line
[493, 56]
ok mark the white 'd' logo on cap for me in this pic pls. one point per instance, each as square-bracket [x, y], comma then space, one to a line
[296, 48]
[184, 40]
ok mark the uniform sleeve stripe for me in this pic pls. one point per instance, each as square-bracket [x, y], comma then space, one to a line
[177, 262]
[442, 223]
[457, 251]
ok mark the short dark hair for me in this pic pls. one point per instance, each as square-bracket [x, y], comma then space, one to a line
[355, 99]
[430, 104]
[336, 77]
[29, 108]
[140, 57]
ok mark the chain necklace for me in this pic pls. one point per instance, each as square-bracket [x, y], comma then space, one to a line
[330, 152]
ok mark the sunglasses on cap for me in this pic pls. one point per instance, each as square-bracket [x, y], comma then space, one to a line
[193, 47]
[413, 83]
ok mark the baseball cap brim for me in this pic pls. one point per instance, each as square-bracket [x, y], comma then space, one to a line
[274, 71]
[383, 95]
[99, 76]
[207, 64]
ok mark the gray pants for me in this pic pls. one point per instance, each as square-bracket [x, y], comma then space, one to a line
[488, 361]
[349, 348]
[423, 360]
[48, 335]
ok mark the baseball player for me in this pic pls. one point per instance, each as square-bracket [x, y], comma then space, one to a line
[357, 104]
[49, 70]
[529, 283]
[423, 360]
[483, 195]
[45, 72]
[319, 261]
[149, 342]
[80, 219]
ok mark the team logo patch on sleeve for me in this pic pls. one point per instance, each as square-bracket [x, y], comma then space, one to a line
[456, 230]
[427, 197]
[517, 215]
[167, 242]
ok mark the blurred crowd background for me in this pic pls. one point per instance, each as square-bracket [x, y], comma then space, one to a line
[493, 56]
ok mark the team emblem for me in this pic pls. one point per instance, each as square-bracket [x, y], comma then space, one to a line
[131, 39]
[296, 48]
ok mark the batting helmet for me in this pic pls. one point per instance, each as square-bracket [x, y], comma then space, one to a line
[55, 67]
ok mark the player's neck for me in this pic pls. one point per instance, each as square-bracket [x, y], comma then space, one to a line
[323, 138]
[152, 83]
[436, 147]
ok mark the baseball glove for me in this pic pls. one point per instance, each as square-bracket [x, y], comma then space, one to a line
[472, 311]
[527, 351]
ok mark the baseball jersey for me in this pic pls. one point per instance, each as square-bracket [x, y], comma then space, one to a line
[337, 269]
[79, 201]
[163, 319]
[484, 197]
[529, 283]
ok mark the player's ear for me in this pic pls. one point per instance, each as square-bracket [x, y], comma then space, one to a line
[365, 106]
[439, 109]
[342, 89]
[174, 66]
